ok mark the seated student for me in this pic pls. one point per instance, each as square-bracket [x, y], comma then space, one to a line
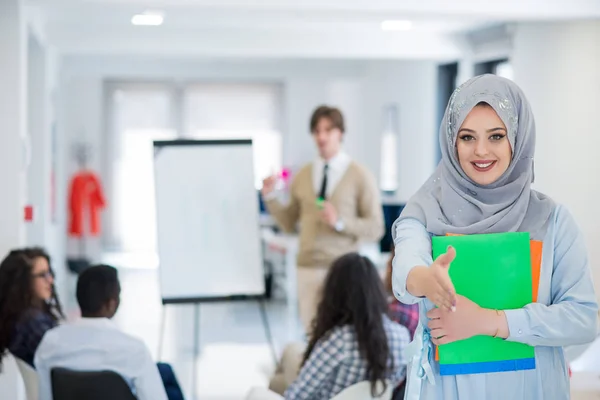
[94, 343]
[29, 305]
[352, 339]
[404, 314]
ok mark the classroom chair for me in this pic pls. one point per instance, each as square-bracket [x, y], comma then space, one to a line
[30, 378]
[89, 385]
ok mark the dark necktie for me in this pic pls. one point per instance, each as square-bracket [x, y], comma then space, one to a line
[323, 190]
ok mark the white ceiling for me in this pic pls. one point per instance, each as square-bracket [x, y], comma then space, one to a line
[289, 28]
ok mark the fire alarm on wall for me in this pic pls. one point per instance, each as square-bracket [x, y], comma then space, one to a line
[29, 213]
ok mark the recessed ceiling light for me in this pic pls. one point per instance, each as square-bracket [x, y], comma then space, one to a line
[396, 25]
[148, 18]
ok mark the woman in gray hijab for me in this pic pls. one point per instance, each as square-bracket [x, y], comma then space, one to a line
[483, 185]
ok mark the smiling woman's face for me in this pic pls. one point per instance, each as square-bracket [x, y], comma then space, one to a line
[482, 147]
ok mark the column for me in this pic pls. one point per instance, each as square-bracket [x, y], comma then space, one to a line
[558, 67]
[38, 168]
[13, 75]
[13, 114]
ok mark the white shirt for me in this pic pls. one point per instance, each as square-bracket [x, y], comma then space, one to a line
[95, 344]
[336, 170]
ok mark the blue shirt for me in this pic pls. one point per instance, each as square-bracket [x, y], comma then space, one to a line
[565, 314]
[335, 363]
[28, 334]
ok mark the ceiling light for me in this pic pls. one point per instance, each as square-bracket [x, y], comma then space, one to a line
[148, 18]
[396, 25]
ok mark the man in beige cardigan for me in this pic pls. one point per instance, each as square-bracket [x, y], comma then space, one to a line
[336, 203]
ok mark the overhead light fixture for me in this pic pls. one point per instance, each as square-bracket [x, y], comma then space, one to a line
[148, 18]
[396, 25]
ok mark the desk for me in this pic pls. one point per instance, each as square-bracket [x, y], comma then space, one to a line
[280, 250]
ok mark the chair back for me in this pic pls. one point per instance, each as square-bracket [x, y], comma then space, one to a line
[90, 385]
[362, 391]
[12, 384]
[30, 378]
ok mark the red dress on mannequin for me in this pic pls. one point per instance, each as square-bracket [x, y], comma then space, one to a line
[86, 200]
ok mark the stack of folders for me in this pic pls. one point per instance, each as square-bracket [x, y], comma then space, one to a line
[497, 271]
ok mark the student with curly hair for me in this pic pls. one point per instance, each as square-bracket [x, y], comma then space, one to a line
[29, 305]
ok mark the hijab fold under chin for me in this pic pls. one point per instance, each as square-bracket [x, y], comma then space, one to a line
[450, 202]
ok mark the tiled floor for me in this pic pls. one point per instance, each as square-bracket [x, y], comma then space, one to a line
[585, 384]
[233, 351]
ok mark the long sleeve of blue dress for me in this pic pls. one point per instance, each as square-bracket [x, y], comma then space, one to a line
[572, 298]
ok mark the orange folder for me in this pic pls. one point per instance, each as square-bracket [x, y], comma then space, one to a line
[536, 267]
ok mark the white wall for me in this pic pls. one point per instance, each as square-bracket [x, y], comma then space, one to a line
[28, 70]
[13, 125]
[413, 87]
[55, 228]
[360, 88]
[44, 158]
[558, 67]
[37, 185]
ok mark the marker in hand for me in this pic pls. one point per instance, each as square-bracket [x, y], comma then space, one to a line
[320, 203]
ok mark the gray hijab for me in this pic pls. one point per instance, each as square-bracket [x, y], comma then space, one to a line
[450, 202]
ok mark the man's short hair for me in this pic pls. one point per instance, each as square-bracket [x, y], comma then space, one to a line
[331, 113]
[96, 286]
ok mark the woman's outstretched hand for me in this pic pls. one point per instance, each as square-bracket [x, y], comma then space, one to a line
[434, 281]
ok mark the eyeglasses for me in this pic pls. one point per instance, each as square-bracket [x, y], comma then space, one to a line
[45, 275]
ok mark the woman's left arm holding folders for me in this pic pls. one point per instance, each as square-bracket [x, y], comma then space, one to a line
[571, 316]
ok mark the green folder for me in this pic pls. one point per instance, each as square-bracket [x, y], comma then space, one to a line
[494, 271]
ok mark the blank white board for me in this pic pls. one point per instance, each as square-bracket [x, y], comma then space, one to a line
[208, 234]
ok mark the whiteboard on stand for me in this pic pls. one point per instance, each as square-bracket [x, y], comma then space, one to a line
[208, 228]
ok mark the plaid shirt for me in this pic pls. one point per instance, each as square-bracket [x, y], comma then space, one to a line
[404, 314]
[335, 363]
[28, 334]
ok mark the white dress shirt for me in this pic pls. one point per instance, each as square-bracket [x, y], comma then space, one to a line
[337, 167]
[96, 344]
[336, 170]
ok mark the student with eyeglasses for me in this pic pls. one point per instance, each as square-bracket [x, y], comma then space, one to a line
[29, 305]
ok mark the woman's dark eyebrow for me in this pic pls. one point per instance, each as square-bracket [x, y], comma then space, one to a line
[488, 131]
